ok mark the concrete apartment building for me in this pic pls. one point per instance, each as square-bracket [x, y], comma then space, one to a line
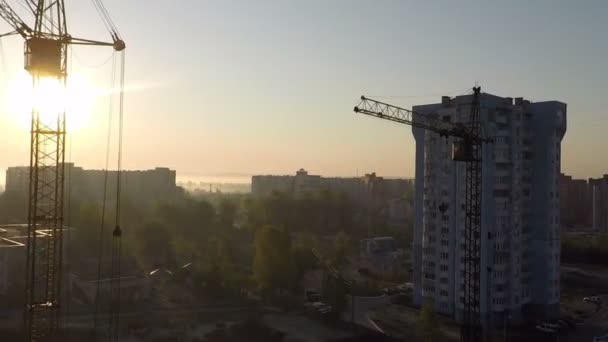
[140, 185]
[584, 203]
[520, 210]
[575, 202]
[598, 189]
[370, 192]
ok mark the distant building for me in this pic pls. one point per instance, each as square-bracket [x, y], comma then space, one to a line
[599, 203]
[381, 256]
[143, 186]
[12, 259]
[372, 194]
[574, 202]
[520, 228]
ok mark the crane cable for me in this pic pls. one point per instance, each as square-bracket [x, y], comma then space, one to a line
[105, 197]
[117, 232]
[107, 20]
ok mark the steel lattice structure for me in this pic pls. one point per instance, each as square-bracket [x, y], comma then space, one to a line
[46, 56]
[467, 149]
[46, 46]
[45, 228]
[471, 328]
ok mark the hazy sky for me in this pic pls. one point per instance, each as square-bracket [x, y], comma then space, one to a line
[246, 87]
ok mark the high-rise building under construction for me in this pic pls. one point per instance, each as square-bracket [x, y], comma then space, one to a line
[520, 219]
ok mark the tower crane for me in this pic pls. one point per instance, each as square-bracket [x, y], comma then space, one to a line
[46, 58]
[467, 149]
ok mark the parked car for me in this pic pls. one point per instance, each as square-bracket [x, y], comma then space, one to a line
[551, 326]
[563, 324]
[603, 338]
[405, 287]
[312, 296]
[593, 299]
[545, 329]
[389, 290]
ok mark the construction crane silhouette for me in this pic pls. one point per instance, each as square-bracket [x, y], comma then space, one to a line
[467, 149]
[46, 59]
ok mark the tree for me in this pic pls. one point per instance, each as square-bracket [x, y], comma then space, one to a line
[302, 253]
[343, 247]
[227, 213]
[273, 266]
[428, 324]
[334, 292]
[156, 245]
[253, 213]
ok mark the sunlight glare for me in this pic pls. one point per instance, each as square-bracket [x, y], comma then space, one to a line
[50, 98]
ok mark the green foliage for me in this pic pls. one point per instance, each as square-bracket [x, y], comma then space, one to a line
[428, 325]
[584, 249]
[273, 265]
[335, 294]
[343, 247]
[227, 213]
[318, 213]
[302, 252]
[155, 245]
[13, 208]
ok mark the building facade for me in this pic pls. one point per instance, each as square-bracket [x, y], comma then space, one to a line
[575, 202]
[138, 185]
[373, 195]
[520, 247]
[598, 189]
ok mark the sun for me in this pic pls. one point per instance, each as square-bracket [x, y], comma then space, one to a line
[49, 98]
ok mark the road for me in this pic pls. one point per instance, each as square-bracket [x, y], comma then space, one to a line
[86, 318]
[594, 325]
[363, 306]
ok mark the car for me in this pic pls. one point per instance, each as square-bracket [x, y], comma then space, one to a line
[325, 310]
[551, 326]
[389, 290]
[603, 338]
[545, 329]
[318, 305]
[405, 287]
[312, 296]
[592, 299]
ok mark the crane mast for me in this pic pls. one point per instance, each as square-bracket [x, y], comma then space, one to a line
[45, 58]
[467, 148]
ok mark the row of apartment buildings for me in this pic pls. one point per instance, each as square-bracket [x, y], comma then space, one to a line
[386, 196]
[520, 228]
[584, 203]
[138, 185]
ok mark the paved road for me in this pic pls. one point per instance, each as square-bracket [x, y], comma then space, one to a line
[595, 325]
[363, 306]
[86, 318]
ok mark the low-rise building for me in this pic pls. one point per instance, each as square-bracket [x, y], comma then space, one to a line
[381, 256]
